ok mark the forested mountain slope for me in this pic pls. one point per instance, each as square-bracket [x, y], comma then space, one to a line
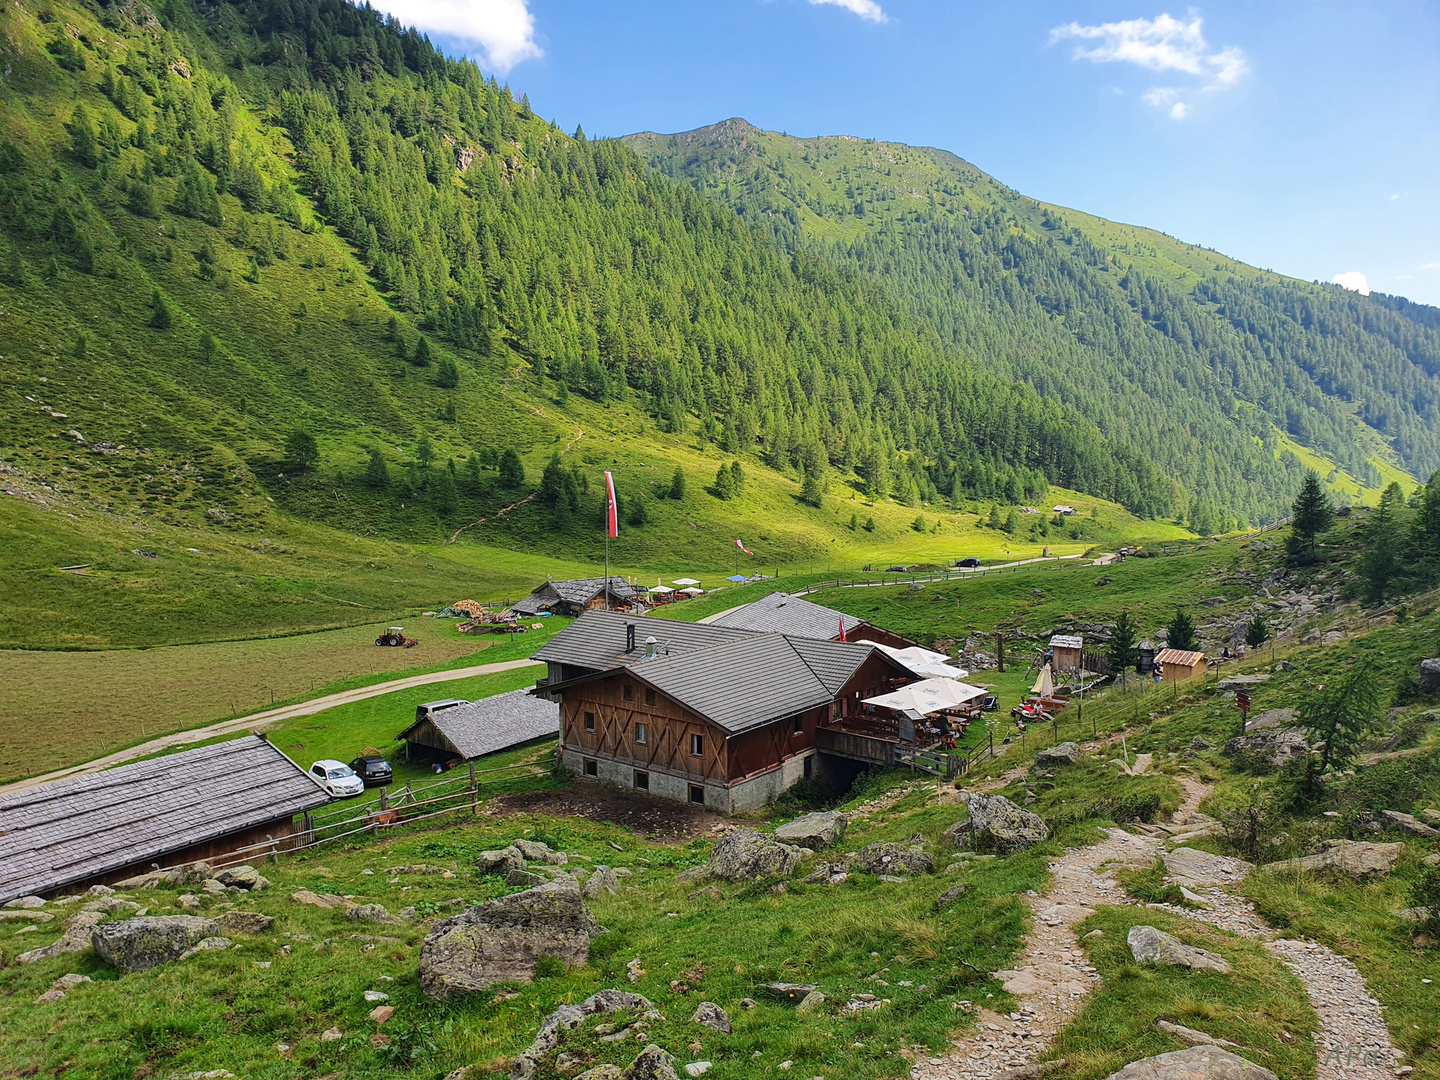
[1198, 362]
[289, 253]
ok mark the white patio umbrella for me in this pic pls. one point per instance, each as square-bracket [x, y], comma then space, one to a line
[1045, 684]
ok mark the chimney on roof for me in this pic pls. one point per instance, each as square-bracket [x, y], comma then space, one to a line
[650, 652]
[629, 637]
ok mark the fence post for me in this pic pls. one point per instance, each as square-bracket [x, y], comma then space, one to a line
[383, 804]
[474, 791]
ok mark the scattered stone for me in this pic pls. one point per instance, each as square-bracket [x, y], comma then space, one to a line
[602, 880]
[382, 1013]
[1195, 869]
[241, 877]
[815, 831]
[827, 874]
[888, 860]
[209, 944]
[1196, 1063]
[1430, 675]
[1241, 682]
[98, 890]
[949, 896]
[533, 850]
[749, 1003]
[1093, 934]
[188, 901]
[376, 995]
[1033, 1071]
[567, 1018]
[1355, 857]
[60, 986]
[1278, 744]
[139, 944]
[501, 941]
[74, 938]
[745, 855]
[1270, 718]
[27, 903]
[526, 879]
[1190, 1035]
[501, 861]
[244, 922]
[811, 1003]
[1408, 823]
[697, 1068]
[1148, 945]
[1199, 743]
[375, 913]
[712, 1016]
[783, 991]
[1065, 753]
[320, 900]
[332, 1035]
[601, 1072]
[213, 887]
[652, 1064]
[997, 825]
[34, 916]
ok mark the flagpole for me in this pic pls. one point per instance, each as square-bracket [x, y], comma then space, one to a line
[607, 563]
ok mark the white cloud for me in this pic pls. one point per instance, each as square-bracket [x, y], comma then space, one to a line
[1163, 43]
[868, 10]
[1431, 266]
[1352, 280]
[504, 29]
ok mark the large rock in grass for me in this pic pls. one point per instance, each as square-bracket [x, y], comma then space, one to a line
[502, 940]
[893, 859]
[1279, 744]
[1354, 857]
[75, 938]
[567, 1018]
[1065, 753]
[1149, 945]
[139, 944]
[1430, 675]
[814, 831]
[652, 1064]
[500, 862]
[745, 855]
[1196, 1063]
[1196, 869]
[241, 877]
[997, 825]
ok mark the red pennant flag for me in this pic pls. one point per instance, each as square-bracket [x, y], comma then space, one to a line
[842, 629]
[743, 548]
[612, 514]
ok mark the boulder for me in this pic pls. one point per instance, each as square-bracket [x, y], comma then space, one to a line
[1065, 753]
[745, 855]
[1270, 718]
[811, 1003]
[376, 913]
[139, 944]
[156, 879]
[712, 1016]
[26, 903]
[814, 831]
[1191, 868]
[1195, 1063]
[112, 905]
[501, 940]
[949, 896]
[893, 859]
[828, 874]
[1241, 682]
[74, 938]
[1430, 675]
[532, 850]
[1396, 820]
[1278, 744]
[996, 824]
[603, 880]
[1355, 857]
[244, 922]
[652, 1064]
[209, 944]
[567, 1018]
[524, 879]
[241, 877]
[500, 862]
[794, 993]
[602, 1072]
[1149, 945]
[320, 900]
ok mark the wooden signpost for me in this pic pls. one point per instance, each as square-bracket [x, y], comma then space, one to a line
[1242, 702]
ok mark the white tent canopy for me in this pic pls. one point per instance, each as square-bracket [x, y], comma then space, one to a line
[929, 696]
[923, 662]
[685, 581]
[661, 589]
[692, 591]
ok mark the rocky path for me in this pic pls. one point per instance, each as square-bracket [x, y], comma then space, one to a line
[1052, 979]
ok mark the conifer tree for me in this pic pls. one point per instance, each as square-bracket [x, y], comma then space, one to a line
[160, 315]
[512, 470]
[1424, 539]
[1257, 631]
[677, 484]
[1180, 634]
[1337, 718]
[1311, 516]
[810, 489]
[1380, 562]
[301, 449]
[443, 493]
[447, 375]
[1123, 650]
[377, 475]
[82, 137]
[994, 519]
[724, 483]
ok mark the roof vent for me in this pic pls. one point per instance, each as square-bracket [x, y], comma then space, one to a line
[649, 647]
[629, 637]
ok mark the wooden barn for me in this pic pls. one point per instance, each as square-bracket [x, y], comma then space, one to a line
[717, 716]
[573, 596]
[1066, 652]
[464, 730]
[1177, 665]
[781, 613]
[200, 804]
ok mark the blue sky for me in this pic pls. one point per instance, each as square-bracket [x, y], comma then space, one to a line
[1303, 137]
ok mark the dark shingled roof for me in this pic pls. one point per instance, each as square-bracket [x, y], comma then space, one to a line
[68, 831]
[785, 614]
[494, 723]
[576, 591]
[596, 640]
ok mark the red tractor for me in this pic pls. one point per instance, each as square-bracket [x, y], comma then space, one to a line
[395, 637]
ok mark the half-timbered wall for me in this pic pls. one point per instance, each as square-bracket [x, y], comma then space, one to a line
[668, 729]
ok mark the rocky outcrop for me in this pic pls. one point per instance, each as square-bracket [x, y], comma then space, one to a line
[997, 825]
[502, 940]
[1149, 945]
[1194, 869]
[1241, 682]
[139, 944]
[893, 859]
[602, 881]
[652, 1064]
[1430, 675]
[375, 913]
[745, 855]
[320, 900]
[1196, 1063]
[814, 831]
[1395, 819]
[75, 937]
[712, 1016]
[244, 922]
[1355, 857]
[568, 1018]
[1065, 753]
[1270, 718]
[500, 862]
[1278, 744]
[241, 877]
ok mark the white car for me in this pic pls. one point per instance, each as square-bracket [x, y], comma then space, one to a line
[337, 778]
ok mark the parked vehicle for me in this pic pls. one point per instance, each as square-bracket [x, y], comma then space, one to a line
[897, 569]
[337, 778]
[971, 562]
[374, 771]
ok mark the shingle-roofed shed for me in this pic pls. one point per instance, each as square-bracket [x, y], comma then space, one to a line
[781, 613]
[197, 804]
[475, 728]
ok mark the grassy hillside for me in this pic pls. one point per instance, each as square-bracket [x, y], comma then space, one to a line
[1132, 328]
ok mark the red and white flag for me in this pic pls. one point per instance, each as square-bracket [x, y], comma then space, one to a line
[743, 548]
[842, 629]
[612, 514]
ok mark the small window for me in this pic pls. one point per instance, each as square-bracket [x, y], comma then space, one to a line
[799, 725]
[697, 794]
[642, 733]
[649, 696]
[627, 692]
[642, 780]
[592, 767]
[589, 721]
[697, 745]
[809, 769]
